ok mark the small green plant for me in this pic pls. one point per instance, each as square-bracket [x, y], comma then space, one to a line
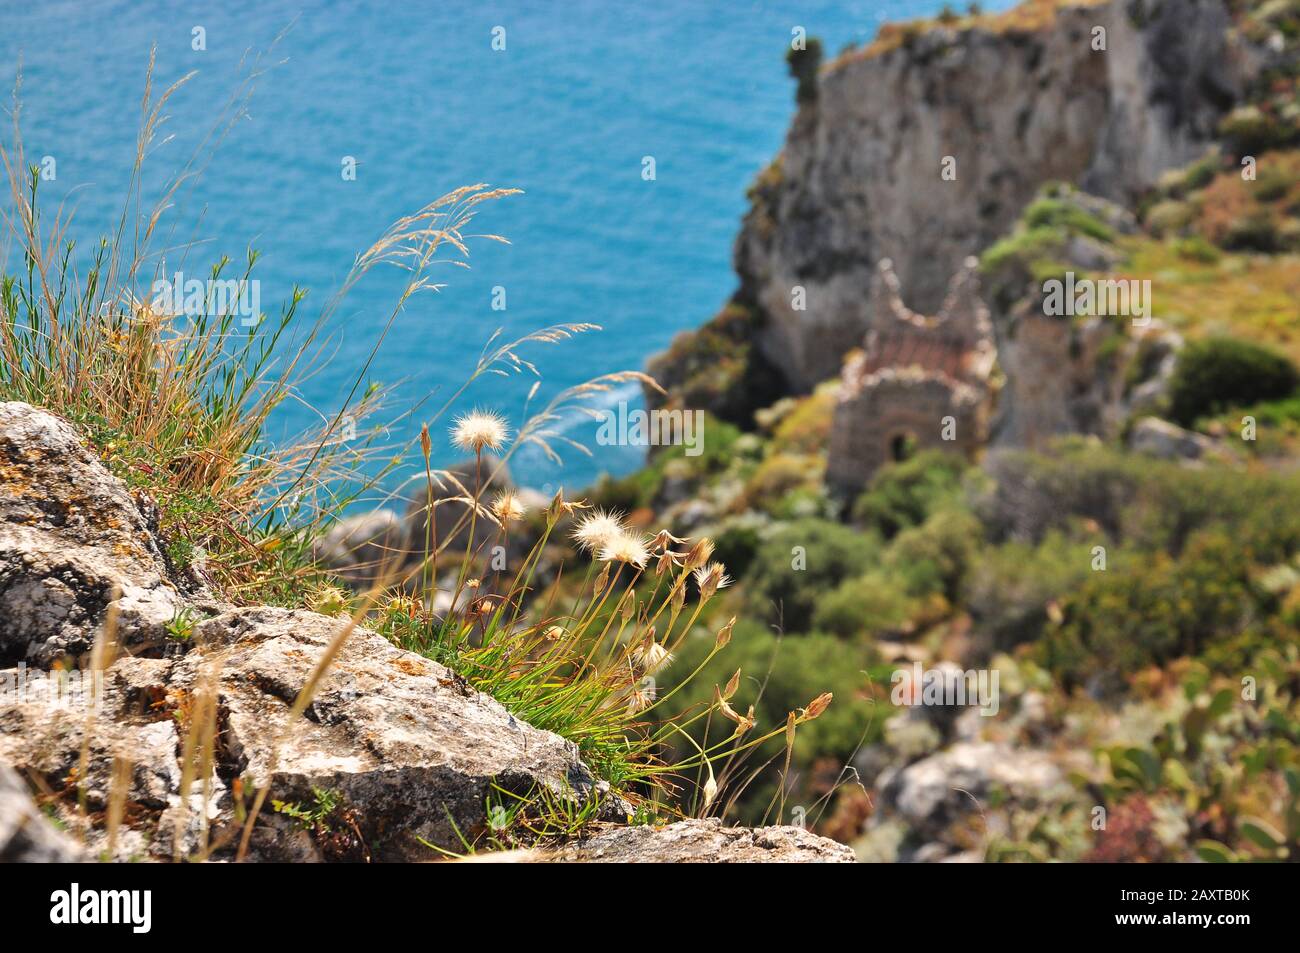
[324, 803]
[181, 626]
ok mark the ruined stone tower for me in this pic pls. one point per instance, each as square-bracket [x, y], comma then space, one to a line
[918, 381]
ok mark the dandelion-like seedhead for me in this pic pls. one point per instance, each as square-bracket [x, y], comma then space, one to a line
[595, 530]
[626, 547]
[651, 658]
[507, 507]
[480, 430]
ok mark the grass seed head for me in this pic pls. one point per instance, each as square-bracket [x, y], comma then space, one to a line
[507, 507]
[595, 530]
[627, 548]
[480, 430]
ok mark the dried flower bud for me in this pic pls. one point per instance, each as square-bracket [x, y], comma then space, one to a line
[710, 579]
[724, 635]
[817, 706]
[699, 554]
[679, 596]
[732, 685]
[710, 790]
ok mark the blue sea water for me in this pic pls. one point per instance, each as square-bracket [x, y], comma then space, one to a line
[416, 93]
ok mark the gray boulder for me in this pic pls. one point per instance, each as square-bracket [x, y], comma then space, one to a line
[1160, 438]
[26, 836]
[72, 541]
[932, 793]
[400, 738]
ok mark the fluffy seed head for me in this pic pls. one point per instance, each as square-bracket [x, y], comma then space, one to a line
[641, 697]
[651, 658]
[595, 530]
[507, 507]
[625, 548]
[480, 430]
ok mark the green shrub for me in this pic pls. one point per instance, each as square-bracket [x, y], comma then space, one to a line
[871, 605]
[1249, 130]
[778, 476]
[1255, 231]
[801, 563]
[1169, 217]
[804, 65]
[1036, 492]
[1148, 610]
[933, 557]
[1062, 213]
[1215, 374]
[1009, 587]
[779, 675]
[906, 493]
[1196, 248]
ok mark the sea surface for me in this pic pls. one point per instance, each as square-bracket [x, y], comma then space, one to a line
[416, 93]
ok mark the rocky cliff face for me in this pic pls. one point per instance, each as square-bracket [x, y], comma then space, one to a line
[1009, 103]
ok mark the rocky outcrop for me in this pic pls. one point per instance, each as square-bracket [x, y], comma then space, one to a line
[161, 752]
[1012, 108]
[1070, 373]
[702, 841]
[1003, 105]
[400, 739]
[73, 543]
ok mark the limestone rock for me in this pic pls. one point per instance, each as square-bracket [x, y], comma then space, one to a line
[1160, 438]
[399, 737]
[402, 741]
[26, 836]
[72, 540]
[702, 841]
[931, 795]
